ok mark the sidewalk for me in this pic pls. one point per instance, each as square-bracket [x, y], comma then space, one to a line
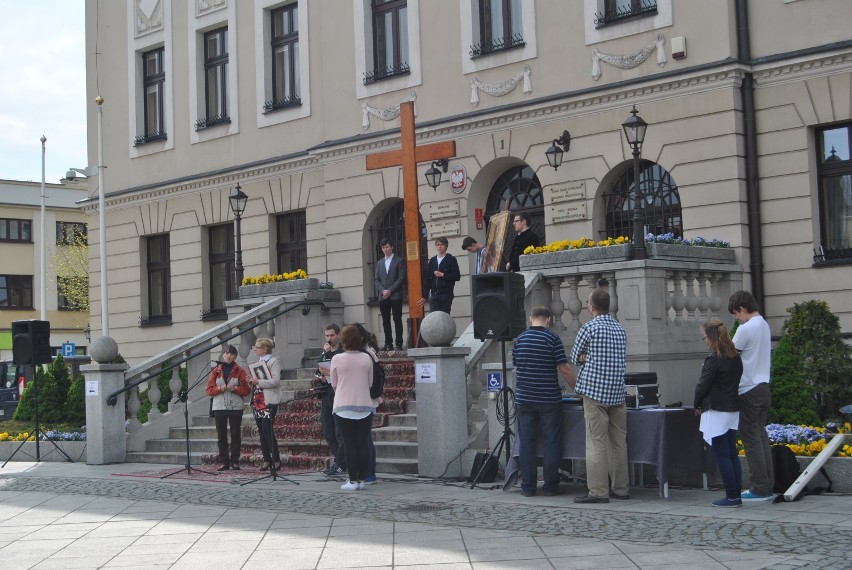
[61, 515]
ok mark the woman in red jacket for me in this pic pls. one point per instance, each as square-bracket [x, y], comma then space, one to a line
[228, 385]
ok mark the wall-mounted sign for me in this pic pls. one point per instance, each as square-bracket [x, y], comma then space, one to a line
[568, 212]
[445, 228]
[566, 191]
[446, 209]
[458, 178]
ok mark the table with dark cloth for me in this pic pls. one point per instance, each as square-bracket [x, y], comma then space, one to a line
[665, 438]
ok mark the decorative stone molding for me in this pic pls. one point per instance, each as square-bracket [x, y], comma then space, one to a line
[386, 113]
[149, 16]
[629, 61]
[205, 6]
[499, 89]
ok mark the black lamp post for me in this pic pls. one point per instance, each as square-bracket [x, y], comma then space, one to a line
[238, 200]
[634, 129]
[554, 153]
[433, 175]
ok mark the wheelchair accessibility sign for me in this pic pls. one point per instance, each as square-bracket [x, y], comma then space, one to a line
[495, 381]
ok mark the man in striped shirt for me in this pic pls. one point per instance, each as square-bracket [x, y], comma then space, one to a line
[601, 349]
[537, 355]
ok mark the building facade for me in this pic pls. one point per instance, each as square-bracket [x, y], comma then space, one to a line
[748, 140]
[21, 279]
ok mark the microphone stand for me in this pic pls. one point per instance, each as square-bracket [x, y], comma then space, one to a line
[272, 471]
[183, 396]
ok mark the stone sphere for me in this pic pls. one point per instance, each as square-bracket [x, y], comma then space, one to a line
[103, 350]
[438, 329]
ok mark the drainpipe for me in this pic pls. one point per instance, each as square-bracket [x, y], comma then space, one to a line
[751, 174]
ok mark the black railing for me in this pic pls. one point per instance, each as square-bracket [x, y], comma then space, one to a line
[276, 104]
[645, 7]
[824, 256]
[149, 137]
[112, 399]
[214, 314]
[497, 44]
[206, 122]
[385, 73]
[149, 321]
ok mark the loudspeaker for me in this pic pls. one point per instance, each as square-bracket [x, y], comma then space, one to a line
[31, 342]
[498, 305]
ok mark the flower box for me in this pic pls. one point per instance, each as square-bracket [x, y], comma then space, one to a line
[568, 257]
[678, 252]
[76, 450]
[279, 288]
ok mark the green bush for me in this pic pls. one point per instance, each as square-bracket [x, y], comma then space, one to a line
[793, 401]
[51, 403]
[75, 404]
[824, 358]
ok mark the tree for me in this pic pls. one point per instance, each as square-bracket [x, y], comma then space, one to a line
[70, 262]
[825, 361]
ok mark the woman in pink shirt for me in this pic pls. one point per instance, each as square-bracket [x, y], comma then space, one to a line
[351, 378]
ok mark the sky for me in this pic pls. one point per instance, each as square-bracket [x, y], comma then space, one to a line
[43, 91]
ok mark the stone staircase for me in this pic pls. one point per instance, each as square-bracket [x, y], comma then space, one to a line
[298, 430]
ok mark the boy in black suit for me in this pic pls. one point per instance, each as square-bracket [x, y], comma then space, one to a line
[390, 283]
[440, 278]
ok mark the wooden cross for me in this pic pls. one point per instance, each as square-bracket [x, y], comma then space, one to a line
[408, 157]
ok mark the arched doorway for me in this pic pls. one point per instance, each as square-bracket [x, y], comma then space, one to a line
[661, 202]
[519, 190]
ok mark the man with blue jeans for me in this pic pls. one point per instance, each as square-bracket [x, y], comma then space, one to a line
[537, 355]
[601, 349]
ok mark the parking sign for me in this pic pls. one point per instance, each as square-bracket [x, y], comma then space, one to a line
[68, 349]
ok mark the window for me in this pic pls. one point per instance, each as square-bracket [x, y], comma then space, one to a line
[834, 177]
[661, 202]
[390, 40]
[215, 79]
[69, 284]
[222, 267]
[286, 90]
[16, 230]
[292, 245]
[69, 233]
[159, 281]
[500, 25]
[16, 291]
[619, 10]
[153, 85]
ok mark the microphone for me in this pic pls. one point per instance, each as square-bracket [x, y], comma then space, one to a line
[220, 362]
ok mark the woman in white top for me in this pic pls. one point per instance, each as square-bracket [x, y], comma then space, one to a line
[265, 397]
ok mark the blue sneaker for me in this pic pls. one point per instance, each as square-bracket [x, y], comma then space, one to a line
[749, 496]
[726, 502]
[370, 480]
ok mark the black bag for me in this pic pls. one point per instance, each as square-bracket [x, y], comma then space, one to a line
[786, 468]
[378, 387]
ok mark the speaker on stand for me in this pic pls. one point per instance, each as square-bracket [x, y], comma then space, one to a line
[498, 313]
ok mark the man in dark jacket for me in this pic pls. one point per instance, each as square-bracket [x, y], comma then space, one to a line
[330, 430]
[525, 238]
[440, 278]
[390, 283]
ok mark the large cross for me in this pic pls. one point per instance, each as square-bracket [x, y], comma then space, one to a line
[408, 157]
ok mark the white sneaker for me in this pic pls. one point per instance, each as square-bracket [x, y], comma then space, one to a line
[350, 486]
[361, 485]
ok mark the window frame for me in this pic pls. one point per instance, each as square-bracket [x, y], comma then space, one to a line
[382, 69]
[217, 258]
[66, 231]
[6, 230]
[154, 268]
[830, 169]
[289, 95]
[158, 81]
[62, 302]
[508, 39]
[610, 14]
[299, 245]
[219, 61]
[20, 287]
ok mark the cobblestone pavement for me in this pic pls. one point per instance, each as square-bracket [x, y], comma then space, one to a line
[811, 536]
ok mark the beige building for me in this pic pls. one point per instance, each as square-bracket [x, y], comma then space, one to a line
[749, 108]
[21, 279]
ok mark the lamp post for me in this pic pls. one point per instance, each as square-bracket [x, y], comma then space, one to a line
[238, 200]
[42, 301]
[634, 129]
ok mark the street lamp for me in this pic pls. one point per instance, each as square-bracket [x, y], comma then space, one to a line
[634, 129]
[238, 200]
[98, 171]
[87, 332]
[554, 153]
[433, 175]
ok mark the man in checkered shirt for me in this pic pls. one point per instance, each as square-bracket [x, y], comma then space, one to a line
[601, 350]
